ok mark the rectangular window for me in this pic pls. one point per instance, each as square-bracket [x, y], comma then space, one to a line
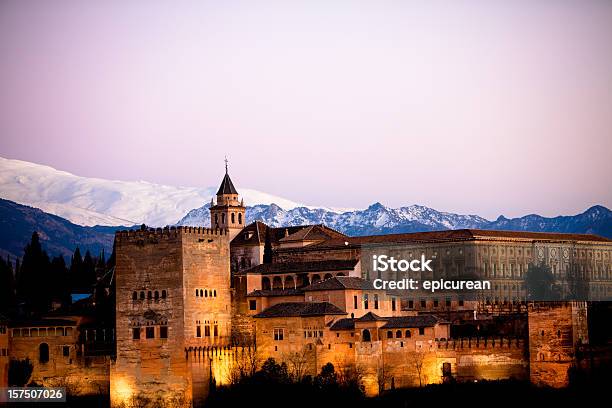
[2, 329]
[252, 305]
[448, 303]
[207, 330]
[198, 331]
[393, 304]
[423, 303]
[136, 333]
[411, 304]
[435, 302]
[66, 351]
[355, 302]
[375, 301]
[215, 330]
[163, 332]
[365, 301]
[421, 331]
[150, 332]
[279, 334]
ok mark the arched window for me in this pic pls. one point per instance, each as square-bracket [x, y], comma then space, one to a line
[135, 296]
[389, 334]
[149, 295]
[265, 284]
[215, 293]
[277, 283]
[197, 293]
[216, 219]
[316, 278]
[201, 293]
[408, 334]
[156, 295]
[289, 282]
[43, 353]
[327, 276]
[222, 218]
[233, 218]
[240, 218]
[205, 292]
[142, 295]
[398, 334]
[366, 336]
[163, 294]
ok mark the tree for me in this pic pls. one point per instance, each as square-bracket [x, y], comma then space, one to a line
[89, 272]
[76, 269]
[274, 372]
[267, 255]
[540, 283]
[7, 286]
[34, 279]
[19, 372]
[327, 378]
[59, 285]
[297, 363]
[416, 359]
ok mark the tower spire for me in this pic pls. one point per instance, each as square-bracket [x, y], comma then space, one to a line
[225, 164]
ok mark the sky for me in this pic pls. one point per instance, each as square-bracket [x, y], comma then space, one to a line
[479, 107]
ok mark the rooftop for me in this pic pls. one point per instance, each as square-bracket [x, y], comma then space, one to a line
[341, 283]
[297, 267]
[275, 292]
[452, 235]
[300, 309]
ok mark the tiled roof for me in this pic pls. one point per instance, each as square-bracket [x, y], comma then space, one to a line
[411, 321]
[297, 267]
[313, 233]
[258, 236]
[450, 236]
[343, 324]
[300, 309]
[371, 317]
[227, 187]
[341, 283]
[275, 292]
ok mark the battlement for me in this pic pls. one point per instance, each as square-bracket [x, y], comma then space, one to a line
[480, 343]
[167, 233]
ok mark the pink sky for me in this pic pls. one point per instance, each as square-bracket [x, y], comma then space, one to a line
[483, 107]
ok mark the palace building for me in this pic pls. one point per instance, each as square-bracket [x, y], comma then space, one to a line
[195, 303]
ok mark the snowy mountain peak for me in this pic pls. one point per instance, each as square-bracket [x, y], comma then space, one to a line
[94, 201]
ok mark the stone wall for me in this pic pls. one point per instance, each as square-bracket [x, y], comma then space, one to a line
[187, 272]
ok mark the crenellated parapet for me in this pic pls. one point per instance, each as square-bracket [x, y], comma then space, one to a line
[168, 233]
[481, 343]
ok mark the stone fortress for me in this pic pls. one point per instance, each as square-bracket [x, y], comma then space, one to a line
[195, 304]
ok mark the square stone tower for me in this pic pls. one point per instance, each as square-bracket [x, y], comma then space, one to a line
[555, 329]
[172, 293]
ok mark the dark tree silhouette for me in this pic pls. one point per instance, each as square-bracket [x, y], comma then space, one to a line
[7, 287]
[34, 279]
[267, 255]
[540, 283]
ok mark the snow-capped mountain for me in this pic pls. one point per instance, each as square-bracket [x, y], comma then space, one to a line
[94, 201]
[378, 219]
[375, 219]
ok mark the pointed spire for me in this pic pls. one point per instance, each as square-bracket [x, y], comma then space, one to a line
[227, 187]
